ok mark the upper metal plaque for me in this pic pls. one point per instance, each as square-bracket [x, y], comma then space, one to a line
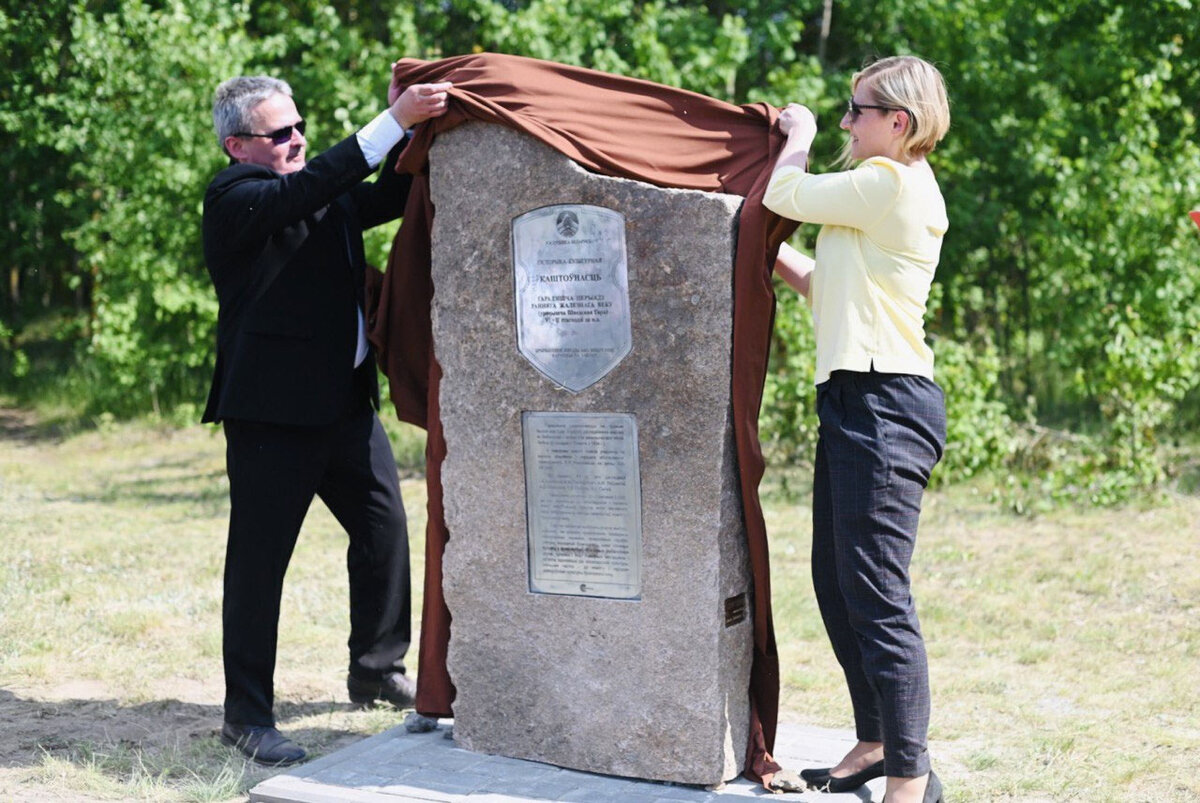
[572, 292]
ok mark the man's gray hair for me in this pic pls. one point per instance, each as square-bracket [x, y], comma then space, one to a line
[236, 99]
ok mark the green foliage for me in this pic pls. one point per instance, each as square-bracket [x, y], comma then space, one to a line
[980, 434]
[13, 360]
[119, 107]
[1064, 319]
[31, 222]
[1077, 237]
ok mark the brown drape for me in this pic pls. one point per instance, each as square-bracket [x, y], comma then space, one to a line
[613, 126]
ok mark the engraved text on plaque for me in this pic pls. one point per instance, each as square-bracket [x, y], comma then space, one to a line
[572, 292]
[583, 504]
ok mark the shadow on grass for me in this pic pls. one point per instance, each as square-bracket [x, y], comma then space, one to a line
[17, 424]
[109, 736]
[189, 486]
[22, 421]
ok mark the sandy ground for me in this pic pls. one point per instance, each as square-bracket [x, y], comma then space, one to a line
[58, 719]
[179, 717]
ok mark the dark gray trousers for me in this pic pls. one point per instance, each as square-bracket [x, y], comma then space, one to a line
[880, 436]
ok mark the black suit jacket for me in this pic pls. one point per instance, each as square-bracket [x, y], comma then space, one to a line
[285, 254]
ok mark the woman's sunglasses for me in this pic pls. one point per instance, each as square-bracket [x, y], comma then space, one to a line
[855, 109]
[280, 136]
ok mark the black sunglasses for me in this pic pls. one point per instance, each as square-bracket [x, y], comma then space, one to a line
[855, 109]
[279, 136]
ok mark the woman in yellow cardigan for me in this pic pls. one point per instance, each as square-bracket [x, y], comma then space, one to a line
[882, 417]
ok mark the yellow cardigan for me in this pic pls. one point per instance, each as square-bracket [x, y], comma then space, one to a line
[881, 237]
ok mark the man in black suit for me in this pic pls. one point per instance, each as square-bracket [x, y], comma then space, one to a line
[295, 387]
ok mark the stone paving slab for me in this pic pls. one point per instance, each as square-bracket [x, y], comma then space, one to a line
[401, 767]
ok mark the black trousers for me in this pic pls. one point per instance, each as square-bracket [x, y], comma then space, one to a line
[880, 437]
[274, 472]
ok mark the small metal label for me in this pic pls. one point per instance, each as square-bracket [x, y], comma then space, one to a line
[583, 502]
[572, 292]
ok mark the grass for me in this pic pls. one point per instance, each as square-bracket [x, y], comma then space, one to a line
[1064, 648]
[111, 551]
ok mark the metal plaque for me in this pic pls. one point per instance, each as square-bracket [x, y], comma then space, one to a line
[572, 292]
[583, 504]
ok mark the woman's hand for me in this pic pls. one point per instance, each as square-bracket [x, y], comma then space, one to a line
[799, 124]
[797, 120]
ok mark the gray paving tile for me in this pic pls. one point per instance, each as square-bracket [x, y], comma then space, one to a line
[426, 790]
[401, 767]
[501, 762]
[457, 759]
[552, 788]
[514, 769]
[450, 780]
[392, 793]
[675, 793]
[598, 796]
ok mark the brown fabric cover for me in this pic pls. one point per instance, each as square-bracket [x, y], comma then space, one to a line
[613, 126]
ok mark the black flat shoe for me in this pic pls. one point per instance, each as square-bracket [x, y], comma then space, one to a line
[822, 781]
[262, 744]
[816, 776]
[933, 789]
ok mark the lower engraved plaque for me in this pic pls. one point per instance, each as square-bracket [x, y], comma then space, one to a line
[583, 502]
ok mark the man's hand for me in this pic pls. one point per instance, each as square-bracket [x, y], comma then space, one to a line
[418, 102]
[394, 87]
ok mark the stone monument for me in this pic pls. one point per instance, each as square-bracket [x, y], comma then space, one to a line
[596, 572]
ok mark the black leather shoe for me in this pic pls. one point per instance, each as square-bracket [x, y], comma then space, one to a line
[398, 689]
[822, 781]
[262, 744]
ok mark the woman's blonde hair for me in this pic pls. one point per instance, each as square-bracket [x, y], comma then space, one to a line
[912, 84]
